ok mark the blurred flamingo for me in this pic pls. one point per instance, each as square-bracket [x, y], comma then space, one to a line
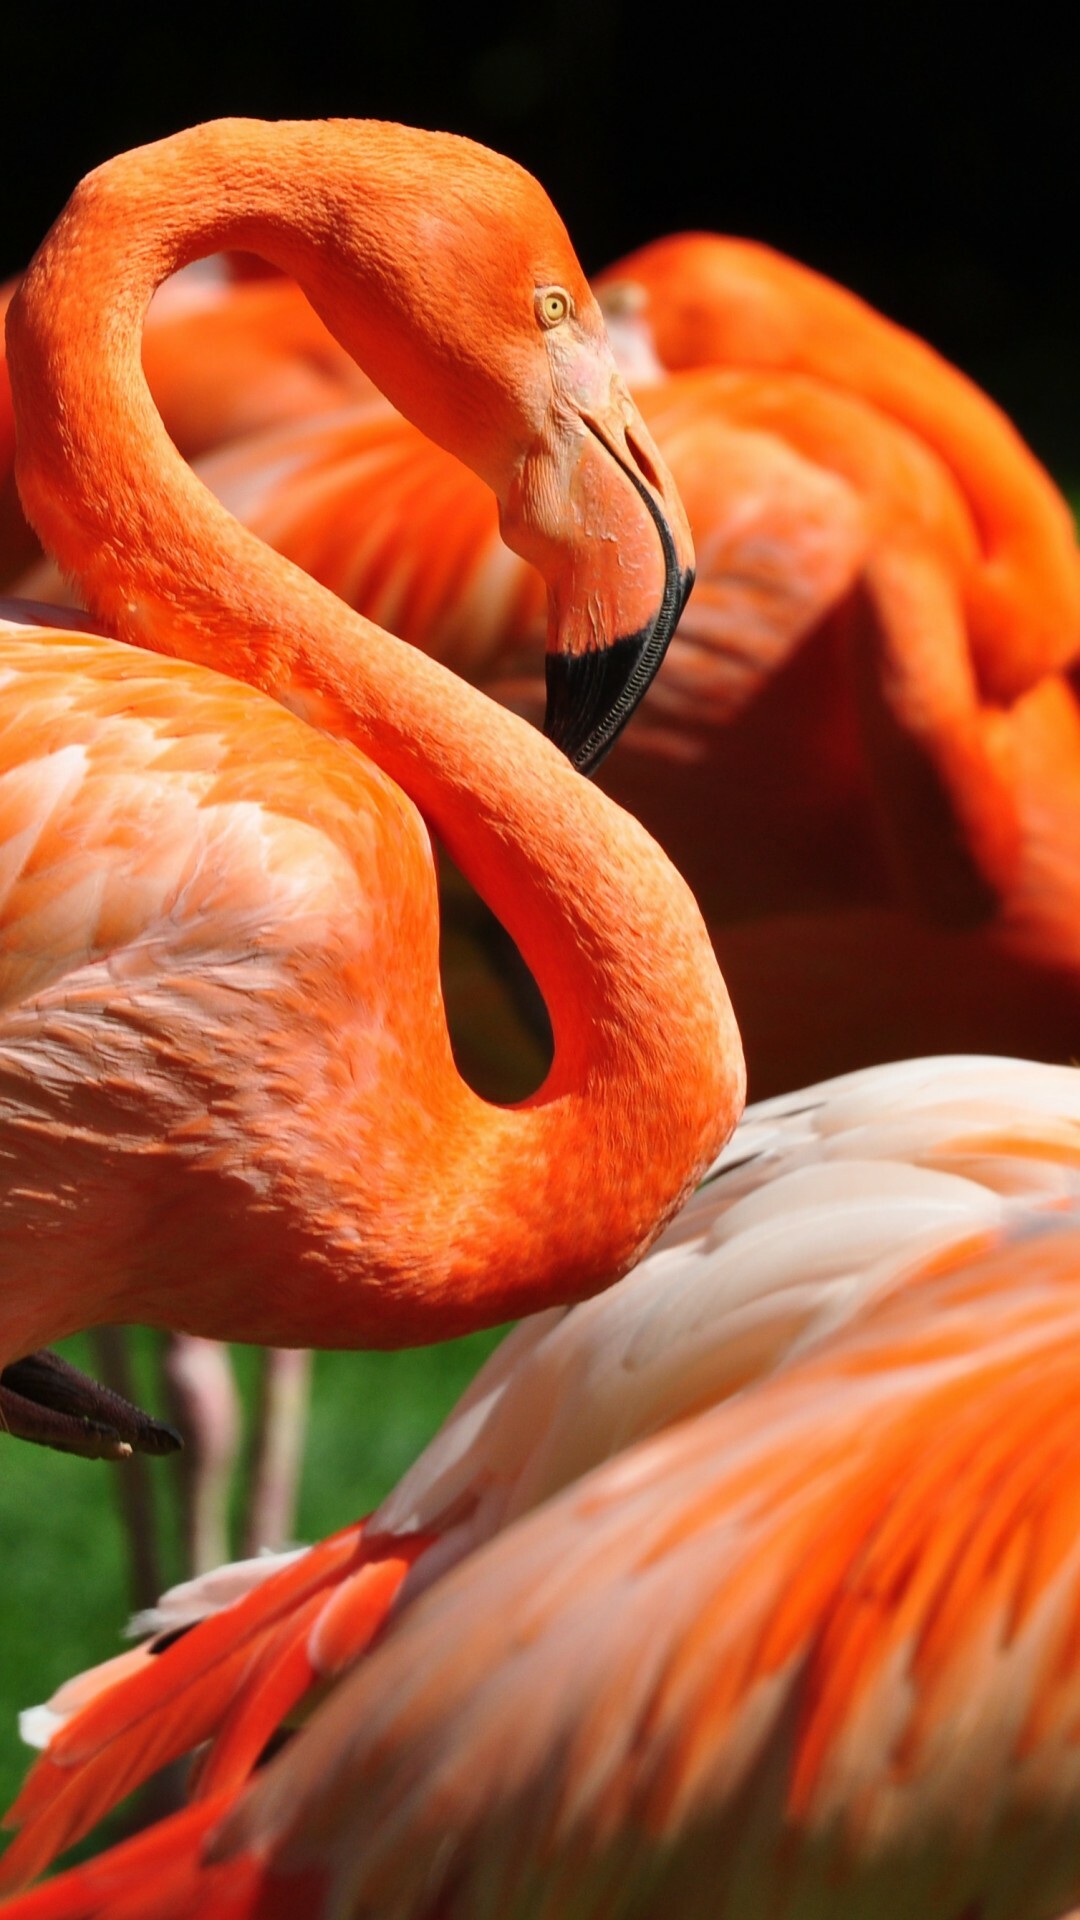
[778, 1629]
[699, 299]
[230, 1103]
[844, 841]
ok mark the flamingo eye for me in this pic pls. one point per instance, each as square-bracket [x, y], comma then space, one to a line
[553, 305]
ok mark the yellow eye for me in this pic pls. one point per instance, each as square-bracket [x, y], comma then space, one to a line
[552, 306]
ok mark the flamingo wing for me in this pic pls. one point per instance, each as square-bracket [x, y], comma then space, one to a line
[190, 877]
[817, 1644]
[824, 1204]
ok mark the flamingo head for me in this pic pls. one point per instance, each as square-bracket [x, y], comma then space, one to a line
[479, 324]
[594, 508]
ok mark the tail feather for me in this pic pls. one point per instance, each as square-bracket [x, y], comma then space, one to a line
[160, 1872]
[353, 1613]
[328, 1634]
[273, 1683]
[231, 1678]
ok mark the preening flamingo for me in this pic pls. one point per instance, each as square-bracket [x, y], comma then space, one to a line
[863, 750]
[230, 1104]
[775, 1645]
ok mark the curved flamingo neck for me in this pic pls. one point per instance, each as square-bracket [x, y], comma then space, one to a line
[647, 1079]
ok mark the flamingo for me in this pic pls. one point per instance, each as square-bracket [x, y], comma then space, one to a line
[825, 1205]
[863, 750]
[230, 1104]
[812, 1624]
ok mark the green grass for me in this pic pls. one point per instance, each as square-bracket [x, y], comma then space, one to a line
[65, 1599]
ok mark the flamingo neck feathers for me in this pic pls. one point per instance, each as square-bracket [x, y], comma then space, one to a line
[550, 1200]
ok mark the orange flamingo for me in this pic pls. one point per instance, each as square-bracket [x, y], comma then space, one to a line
[801, 1594]
[230, 1103]
[262, 355]
[863, 750]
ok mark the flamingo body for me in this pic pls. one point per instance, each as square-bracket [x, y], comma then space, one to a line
[198, 887]
[787, 1652]
[786, 1648]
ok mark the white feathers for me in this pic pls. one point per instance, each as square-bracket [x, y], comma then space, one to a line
[822, 1201]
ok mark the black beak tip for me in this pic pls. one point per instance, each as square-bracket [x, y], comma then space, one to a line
[591, 696]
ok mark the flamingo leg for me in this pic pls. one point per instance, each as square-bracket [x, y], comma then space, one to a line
[278, 1447]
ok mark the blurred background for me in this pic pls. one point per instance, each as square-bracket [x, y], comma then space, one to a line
[931, 173]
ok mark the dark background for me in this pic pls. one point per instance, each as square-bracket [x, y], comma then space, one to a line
[928, 164]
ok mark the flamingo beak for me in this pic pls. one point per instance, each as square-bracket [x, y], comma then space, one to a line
[597, 511]
[592, 694]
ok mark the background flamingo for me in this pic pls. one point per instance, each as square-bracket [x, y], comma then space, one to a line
[897, 1248]
[822, 827]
